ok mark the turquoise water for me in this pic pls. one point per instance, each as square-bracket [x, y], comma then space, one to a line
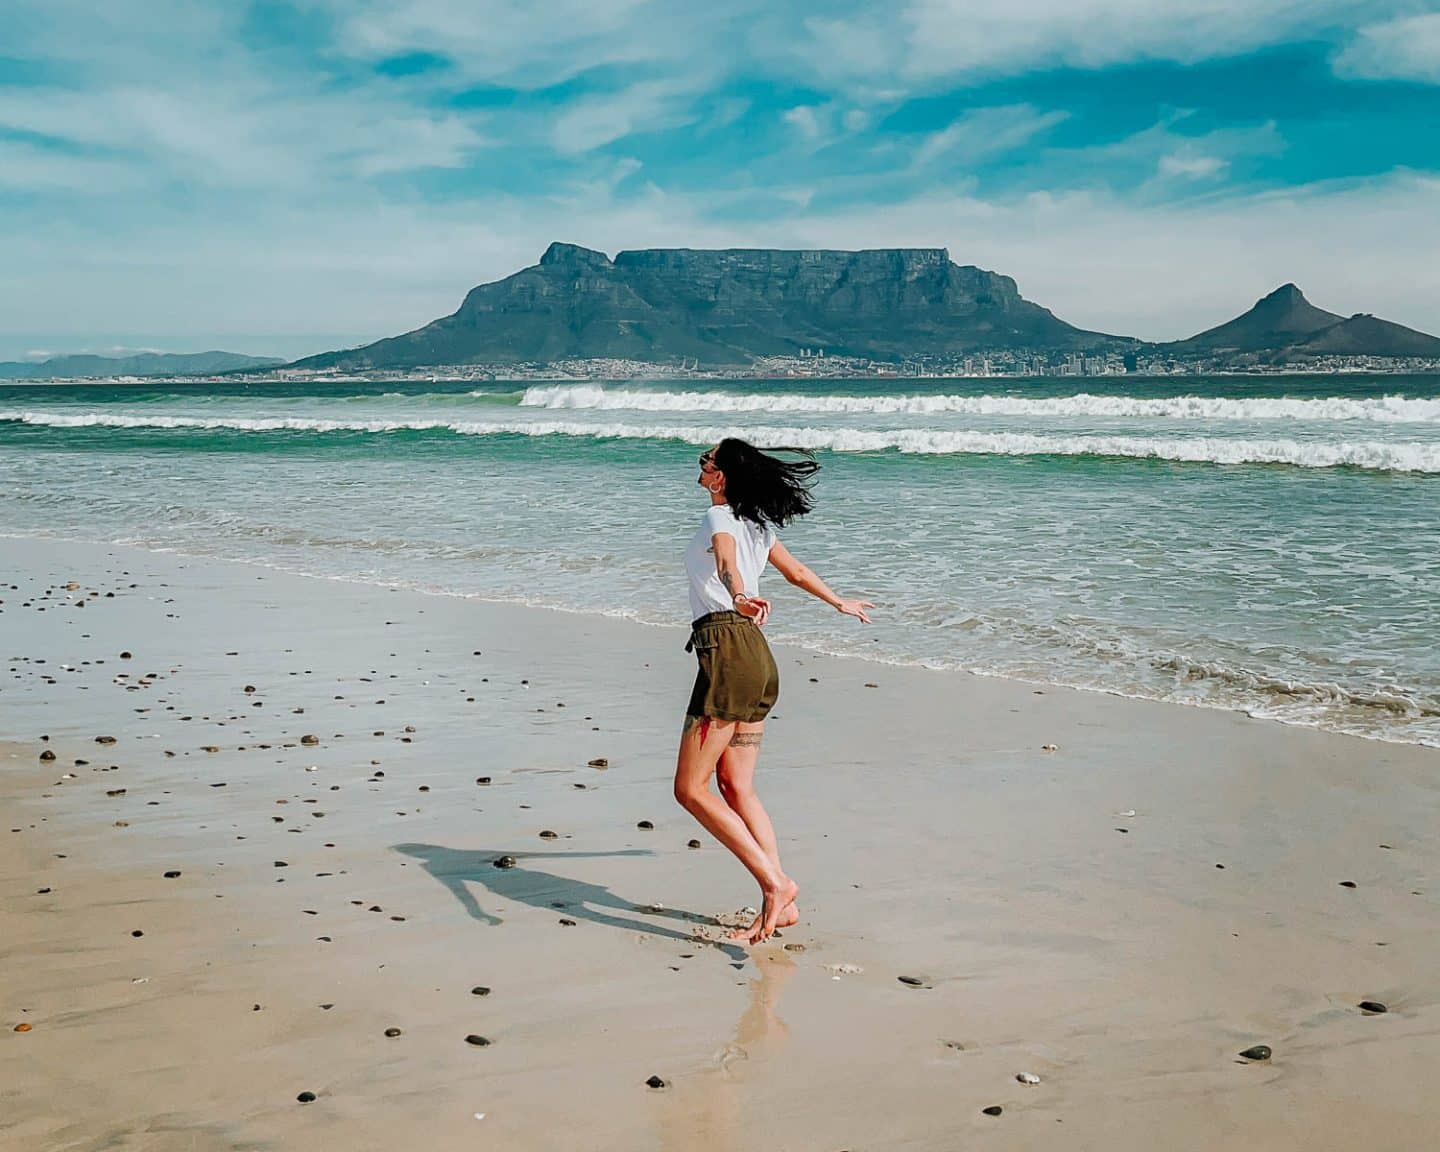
[1264, 544]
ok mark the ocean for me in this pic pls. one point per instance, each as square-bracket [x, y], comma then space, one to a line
[1266, 544]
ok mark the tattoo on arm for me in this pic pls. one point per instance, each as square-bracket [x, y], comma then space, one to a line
[727, 578]
[746, 740]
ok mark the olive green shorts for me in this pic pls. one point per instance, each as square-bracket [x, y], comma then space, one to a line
[737, 679]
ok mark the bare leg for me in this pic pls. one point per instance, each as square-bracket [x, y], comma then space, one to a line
[701, 746]
[735, 775]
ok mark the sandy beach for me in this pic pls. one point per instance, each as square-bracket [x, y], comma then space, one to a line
[331, 771]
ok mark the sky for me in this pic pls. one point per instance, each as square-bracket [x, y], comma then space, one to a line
[290, 176]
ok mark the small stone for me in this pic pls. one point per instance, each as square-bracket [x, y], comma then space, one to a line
[505, 862]
[567, 923]
[793, 947]
[309, 738]
[392, 1032]
[1258, 1052]
[1347, 884]
[22, 1027]
[546, 834]
[281, 864]
[172, 874]
[482, 780]
[598, 762]
[249, 688]
[1027, 1078]
[104, 739]
[478, 1041]
[993, 1110]
[115, 792]
[645, 826]
[656, 1082]
[305, 1097]
[47, 755]
[125, 656]
[870, 685]
[912, 981]
[1373, 1007]
[1049, 747]
[694, 844]
[137, 932]
[479, 990]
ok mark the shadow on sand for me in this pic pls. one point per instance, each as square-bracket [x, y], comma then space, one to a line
[457, 869]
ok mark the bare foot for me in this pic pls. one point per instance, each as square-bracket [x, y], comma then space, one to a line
[775, 901]
[789, 915]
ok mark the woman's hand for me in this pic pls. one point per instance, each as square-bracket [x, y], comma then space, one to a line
[754, 608]
[855, 608]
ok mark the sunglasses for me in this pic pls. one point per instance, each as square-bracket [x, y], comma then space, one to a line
[707, 459]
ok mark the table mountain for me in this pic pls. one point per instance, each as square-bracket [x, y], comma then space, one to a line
[726, 307]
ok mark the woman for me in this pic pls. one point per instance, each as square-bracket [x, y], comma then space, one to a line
[751, 493]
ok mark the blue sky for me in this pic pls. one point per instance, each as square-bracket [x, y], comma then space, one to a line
[288, 176]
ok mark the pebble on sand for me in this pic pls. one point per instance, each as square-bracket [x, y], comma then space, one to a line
[392, 1032]
[1372, 1007]
[598, 762]
[646, 826]
[478, 1041]
[1258, 1052]
[656, 1082]
[479, 990]
[309, 738]
[22, 1027]
[305, 1097]
[504, 862]
[913, 981]
[993, 1110]
[694, 844]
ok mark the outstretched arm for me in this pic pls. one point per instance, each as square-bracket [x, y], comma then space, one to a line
[802, 577]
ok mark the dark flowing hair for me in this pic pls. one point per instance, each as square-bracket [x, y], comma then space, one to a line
[763, 489]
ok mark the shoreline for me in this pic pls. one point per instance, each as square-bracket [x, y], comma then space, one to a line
[1064, 913]
[625, 617]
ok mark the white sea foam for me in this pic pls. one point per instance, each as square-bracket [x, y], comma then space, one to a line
[1383, 409]
[1368, 454]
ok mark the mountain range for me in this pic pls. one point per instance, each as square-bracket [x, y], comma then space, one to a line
[143, 364]
[729, 306]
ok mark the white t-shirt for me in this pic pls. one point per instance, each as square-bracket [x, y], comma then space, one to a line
[752, 550]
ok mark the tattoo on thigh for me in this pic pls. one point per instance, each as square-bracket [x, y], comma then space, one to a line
[690, 722]
[746, 740]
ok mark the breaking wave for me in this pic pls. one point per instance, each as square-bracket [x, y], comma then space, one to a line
[1373, 455]
[1382, 409]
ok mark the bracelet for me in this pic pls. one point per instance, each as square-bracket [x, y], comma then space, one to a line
[738, 598]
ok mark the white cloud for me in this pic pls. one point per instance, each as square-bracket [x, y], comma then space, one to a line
[985, 132]
[1191, 164]
[965, 37]
[1403, 49]
[805, 119]
[595, 121]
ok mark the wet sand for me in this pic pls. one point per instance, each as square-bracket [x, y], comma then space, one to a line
[1120, 917]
